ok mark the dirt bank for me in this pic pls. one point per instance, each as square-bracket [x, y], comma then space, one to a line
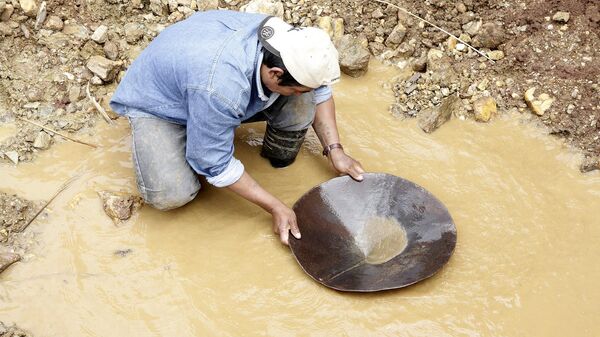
[44, 66]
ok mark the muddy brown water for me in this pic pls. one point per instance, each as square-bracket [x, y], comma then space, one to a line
[525, 263]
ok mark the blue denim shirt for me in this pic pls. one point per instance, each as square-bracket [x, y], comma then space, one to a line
[202, 72]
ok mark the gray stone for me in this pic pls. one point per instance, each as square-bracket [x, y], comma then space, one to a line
[54, 23]
[103, 67]
[111, 50]
[133, 32]
[472, 28]
[410, 88]
[41, 16]
[396, 36]
[562, 17]
[100, 34]
[268, 7]
[42, 140]
[490, 36]
[354, 57]
[431, 119]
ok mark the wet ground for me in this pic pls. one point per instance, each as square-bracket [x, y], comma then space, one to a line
[525, 262]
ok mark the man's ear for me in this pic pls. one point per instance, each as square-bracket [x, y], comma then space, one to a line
[275, 73]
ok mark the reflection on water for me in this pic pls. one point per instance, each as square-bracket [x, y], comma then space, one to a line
[525, 263]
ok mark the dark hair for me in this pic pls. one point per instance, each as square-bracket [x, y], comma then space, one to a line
[271, 60]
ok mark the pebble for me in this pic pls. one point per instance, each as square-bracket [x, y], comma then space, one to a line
[496, 55]
[100, 34]
[54, 23]
[562, 17]
[540, 104]
[42, 140]
[13, 156]
[484, 108]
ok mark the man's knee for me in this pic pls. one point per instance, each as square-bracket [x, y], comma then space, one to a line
[170, 198]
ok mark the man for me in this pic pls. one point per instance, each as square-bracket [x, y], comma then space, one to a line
[200, 78]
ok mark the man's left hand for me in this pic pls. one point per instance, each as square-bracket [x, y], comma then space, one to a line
[345, 164]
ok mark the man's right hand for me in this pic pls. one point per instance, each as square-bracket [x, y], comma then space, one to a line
[284, 221]
[284, 218]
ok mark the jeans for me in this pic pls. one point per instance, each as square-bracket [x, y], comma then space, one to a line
[164, 177]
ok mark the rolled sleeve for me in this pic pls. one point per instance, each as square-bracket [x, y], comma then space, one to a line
[210, 131]
[322, 94]
[232, 173]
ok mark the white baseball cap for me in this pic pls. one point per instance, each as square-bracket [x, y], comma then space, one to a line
[307, 52]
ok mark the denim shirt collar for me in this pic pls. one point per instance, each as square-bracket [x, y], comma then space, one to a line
[261, 93]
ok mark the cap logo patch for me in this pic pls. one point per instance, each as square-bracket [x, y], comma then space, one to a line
[267, 32]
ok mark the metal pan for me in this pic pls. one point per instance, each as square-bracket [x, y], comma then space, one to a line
[382, 233]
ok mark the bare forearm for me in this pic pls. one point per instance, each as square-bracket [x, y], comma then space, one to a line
[324, 123]
[249, 189]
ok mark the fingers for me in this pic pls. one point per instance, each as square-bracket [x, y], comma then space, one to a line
[295, 230]
[284, 235]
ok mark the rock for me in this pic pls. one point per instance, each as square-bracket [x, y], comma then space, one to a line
[496, 55]
[207, 5]
[268, 7]
[111, 50]
[133, 32]
[490, 36]
[461, 47]
[13, 156]
[441, 69]
[8, 11]
[29, 7]
[6, 260]
[562, 17]
[75, 93]
[473, 27]
[89, 49]
[95, 80]
[540, 104]
[431, 119]
[78, 31]
[119, 206]
[159, 7]
[484, 109]
[377, 13]
[100, 34]
[103, 67]
[396, 36]
[590, 164]
[338, 29]
[354, 57]
[41, 16]
[5, 29]
[326, 24]
[42, 140]
[54, 23]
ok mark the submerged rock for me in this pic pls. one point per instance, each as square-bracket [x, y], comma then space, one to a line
[119, 206]
[7, 259]
[590, 164]
[432, 118]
